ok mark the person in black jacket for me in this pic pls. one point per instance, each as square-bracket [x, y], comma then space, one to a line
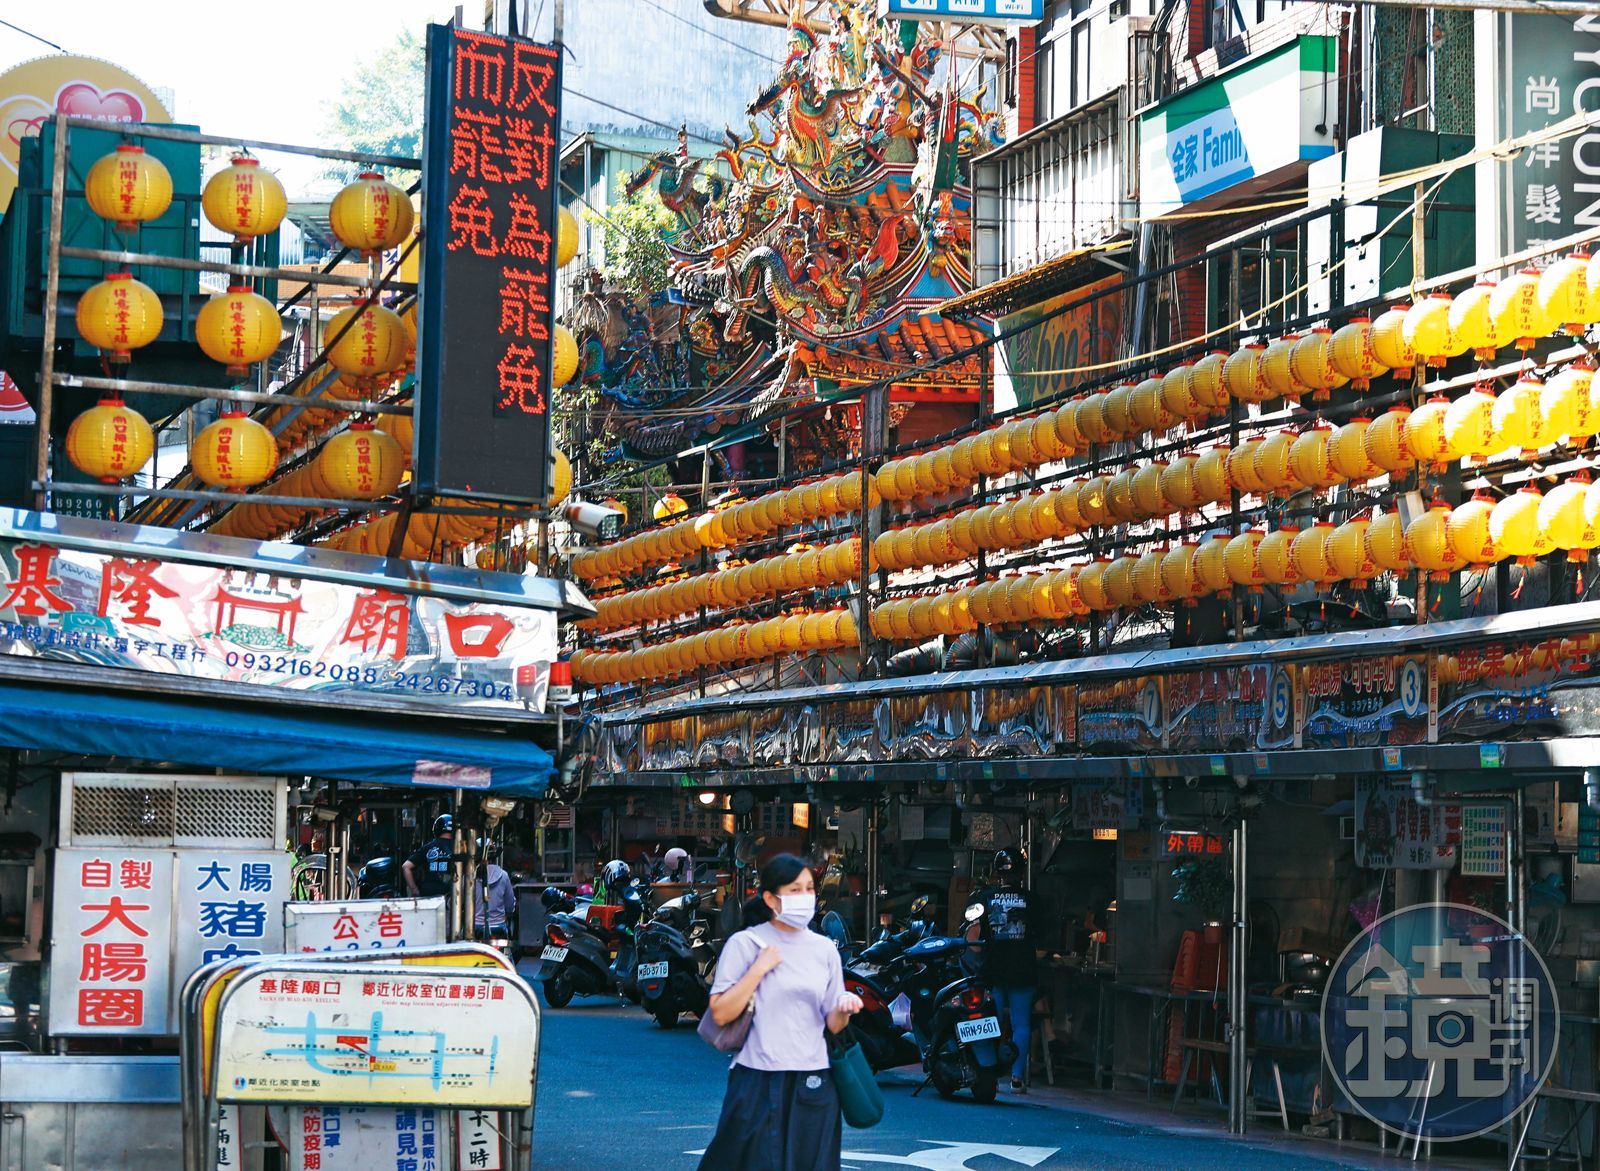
[1009, 962]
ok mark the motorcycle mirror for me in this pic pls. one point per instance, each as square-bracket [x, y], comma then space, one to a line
[973, 913]
[919, 904]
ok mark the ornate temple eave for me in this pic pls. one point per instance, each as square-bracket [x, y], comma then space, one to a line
[1035, 284]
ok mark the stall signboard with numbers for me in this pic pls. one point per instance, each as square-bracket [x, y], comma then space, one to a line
[363, 925]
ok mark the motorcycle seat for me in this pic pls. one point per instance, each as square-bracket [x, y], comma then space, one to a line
[935, 946]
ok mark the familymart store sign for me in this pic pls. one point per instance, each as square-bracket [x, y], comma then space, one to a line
[1264, 120]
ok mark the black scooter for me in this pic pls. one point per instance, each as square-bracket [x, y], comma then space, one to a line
[676, 961]
[379, 879]
[624, 969]
[576, 957]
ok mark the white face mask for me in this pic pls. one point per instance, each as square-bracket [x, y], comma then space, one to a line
[798, 910]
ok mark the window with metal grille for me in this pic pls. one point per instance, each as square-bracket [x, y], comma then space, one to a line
[131, 809]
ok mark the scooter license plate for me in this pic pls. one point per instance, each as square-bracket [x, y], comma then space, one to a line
[554, 954]
[652, 971]
[983, 1029]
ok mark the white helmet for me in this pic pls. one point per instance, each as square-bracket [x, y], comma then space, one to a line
[675, 859]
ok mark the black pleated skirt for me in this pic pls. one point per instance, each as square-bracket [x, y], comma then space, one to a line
[786, 1121]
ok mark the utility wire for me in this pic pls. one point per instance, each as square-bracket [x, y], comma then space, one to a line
[35, 36]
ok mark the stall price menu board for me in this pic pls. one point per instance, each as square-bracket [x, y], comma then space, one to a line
[1483, 840]
[490, 177]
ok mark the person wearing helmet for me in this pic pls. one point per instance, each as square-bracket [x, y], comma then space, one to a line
[676, 867]
[427, 872]
[495, 900]
[1009, 962]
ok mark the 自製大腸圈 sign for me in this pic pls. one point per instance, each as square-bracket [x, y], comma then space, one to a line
[233, 626]
[363, 925]
[490, 172]
[376, 1034]
[1253, 122]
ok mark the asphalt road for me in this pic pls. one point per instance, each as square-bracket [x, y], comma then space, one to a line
[616, 1091]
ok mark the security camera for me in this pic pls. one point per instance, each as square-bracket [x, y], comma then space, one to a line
[593, 520]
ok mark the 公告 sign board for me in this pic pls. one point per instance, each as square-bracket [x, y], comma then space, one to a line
[490, 173]
[363, 925]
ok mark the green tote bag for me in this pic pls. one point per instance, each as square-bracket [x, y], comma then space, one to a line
[860, 1100]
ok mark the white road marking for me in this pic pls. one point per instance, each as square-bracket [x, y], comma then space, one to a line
[947, 1156]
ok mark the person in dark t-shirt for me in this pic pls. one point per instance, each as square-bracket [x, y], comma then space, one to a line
[427, 872]
[1009, 959]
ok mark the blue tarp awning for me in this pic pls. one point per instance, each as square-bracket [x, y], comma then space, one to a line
[257, 739]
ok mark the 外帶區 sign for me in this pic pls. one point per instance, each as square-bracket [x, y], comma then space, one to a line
[232, 626]
[375, 1035]
[484, 348]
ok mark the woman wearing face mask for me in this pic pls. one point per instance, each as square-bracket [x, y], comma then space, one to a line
[781, 1112]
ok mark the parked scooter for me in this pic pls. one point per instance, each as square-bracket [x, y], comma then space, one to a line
[624, 969]
[676, 961]
[379, 879]
[576, 958]
[963, 1046]
[887, 985]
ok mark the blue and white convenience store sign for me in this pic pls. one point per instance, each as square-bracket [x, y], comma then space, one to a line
[1261, 118]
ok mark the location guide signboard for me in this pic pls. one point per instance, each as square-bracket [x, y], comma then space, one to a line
[377, 1035]
[236, 626]
[484, 350]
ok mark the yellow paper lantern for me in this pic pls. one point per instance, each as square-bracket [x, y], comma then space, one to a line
[1116, 409]
[1389, 345]
[1353, 355]
[669, 505]
[1308, 552]
[1092, 584]
[1092, 504]
[365, 343]
[1564, 515]
[1003, 526]
[1516, 310]
[1091, 419]
[566, 237]
[1211, 566]
[1119, 582]
[1176, 483]
[238, 328]
[1067, 429]
[1211, 482]
[1242, 374]
[1425, 432]
[1469, 532]
[1472, 323]
[245, 201]
[1386, 543]
[1311, 362]
[361, 463]
[1277, 567]
[1207, 382]
[1119, 496]
[1178, 574]
[119, 315]
[1564, 296]
[1426, 330]
[371, 214]
[1149, 588]
[1178, 396]
[1242, 467]
[992, 453]
[1243, 562]
[905, 480]
[1067, 511]
[1348, 557]
[1277, 369]
[1385, 441]
[1046, 440]
[1347, 451]
[1428, 543]
[1311, 457]
[1272, 465]
[1519, 417]
[128, 187]
[1515, 528]
[564, 356]
[560, 476]
[110, 441]
[1148, 498]
[234, 452]
[1148, 409]
[1567, 404]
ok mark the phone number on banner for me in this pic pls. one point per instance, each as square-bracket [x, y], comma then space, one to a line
[369, 676]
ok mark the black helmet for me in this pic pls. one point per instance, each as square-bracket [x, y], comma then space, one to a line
[443, 824]
[552, 898]
[1004, 862]
[616, 875]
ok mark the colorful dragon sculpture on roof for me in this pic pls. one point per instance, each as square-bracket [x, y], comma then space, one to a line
[812, 248]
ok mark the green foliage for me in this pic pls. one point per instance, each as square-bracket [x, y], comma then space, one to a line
[379, 110]
[1203, 883]
[635, 231]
